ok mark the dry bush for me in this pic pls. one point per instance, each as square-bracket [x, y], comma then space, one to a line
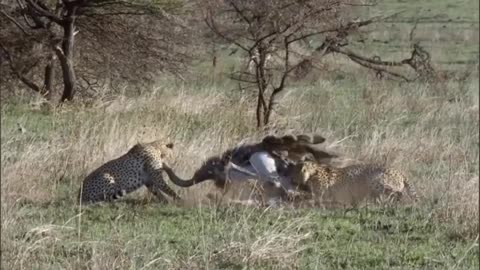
[86, 45]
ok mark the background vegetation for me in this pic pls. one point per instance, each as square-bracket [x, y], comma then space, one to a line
[428, 129]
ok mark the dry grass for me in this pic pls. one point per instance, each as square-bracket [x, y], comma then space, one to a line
[428, 131]
[411, 127]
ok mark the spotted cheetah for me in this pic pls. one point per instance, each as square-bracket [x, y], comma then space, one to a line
[141, 165]
[349, 186]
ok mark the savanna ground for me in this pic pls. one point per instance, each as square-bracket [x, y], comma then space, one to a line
[427, 130]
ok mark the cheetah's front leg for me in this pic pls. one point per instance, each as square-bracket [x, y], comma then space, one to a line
[156, 185]
[155, 190]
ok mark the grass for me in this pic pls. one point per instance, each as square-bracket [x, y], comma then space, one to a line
[135, 235]
[432, 135]
[429, 131]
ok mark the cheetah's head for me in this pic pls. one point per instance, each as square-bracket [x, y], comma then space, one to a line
[166, 150]
[299, 174]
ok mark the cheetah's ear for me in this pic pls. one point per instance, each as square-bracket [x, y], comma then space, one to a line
[169, 145]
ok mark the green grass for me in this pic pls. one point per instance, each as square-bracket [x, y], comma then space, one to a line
[136, 235]
[429, 131]
[413, 128]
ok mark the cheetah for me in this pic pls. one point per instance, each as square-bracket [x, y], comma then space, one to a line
[349, 186]
[141, 165]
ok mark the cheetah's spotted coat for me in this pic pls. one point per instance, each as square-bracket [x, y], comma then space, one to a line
[141, 165]
[349, 186]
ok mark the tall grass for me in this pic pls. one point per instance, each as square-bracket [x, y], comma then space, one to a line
[430, 134]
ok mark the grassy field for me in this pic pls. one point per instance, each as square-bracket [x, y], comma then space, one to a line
[429, 131]
[413, 128]
[146, 236]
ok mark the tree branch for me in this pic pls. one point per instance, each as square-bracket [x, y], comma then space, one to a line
[14, 21]
[44, 12]
[211, 24]
[240, 12]
[115, 14]
[370, 63]
[20, 74]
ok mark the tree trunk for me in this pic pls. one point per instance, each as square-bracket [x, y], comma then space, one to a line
[214, 63]
[49, 78]
[268, 112]
[260, 109]
[66, 55]
[271, 104]
[261, 78]
[261, 105]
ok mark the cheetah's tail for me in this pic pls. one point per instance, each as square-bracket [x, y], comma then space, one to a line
[412, 193]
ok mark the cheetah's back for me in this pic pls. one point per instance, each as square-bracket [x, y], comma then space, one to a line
[141, 165]
[353, 184]
[113, 179]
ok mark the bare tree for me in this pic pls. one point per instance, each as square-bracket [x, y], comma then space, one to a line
[263, 29]
[116, 40]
